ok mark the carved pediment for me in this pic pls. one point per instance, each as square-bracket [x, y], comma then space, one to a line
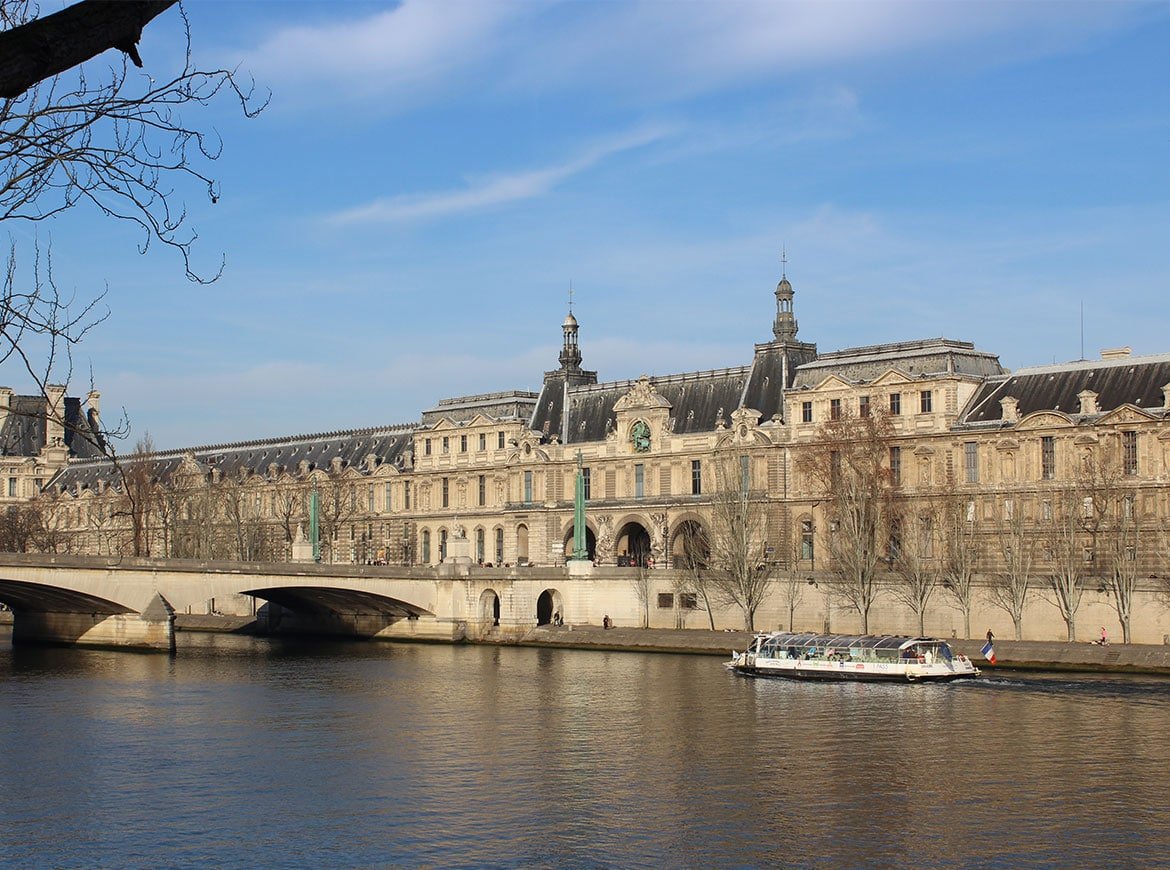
[1126, 414]
[1044, 420]
[641, 397]
[892, 377]
[832, 383]
[1007, 444]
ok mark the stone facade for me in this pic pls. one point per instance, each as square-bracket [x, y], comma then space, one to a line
[500, 468]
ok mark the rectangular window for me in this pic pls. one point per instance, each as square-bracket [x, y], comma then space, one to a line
[482, 490]
[1129, 453]
[834, 409]
[587, 480]
[896, 465]
[462, 443]
[895, 404]
[971, 461]
[406, 496]
[688, 601]
[1047, 457]
[527, 487]
[806, 412]
[666, 600]
[446, 492]
[482, 442]
[696, 477]
[389, 498]
[745, 473]
[446, 444]
[925, 401]
[806, 541]
[500, 440]
[1009, 509]
[370, 498]
[639, 480]
[427, 447]
[12, 487]
[863, 406]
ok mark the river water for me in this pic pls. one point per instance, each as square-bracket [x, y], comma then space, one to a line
[250, 752]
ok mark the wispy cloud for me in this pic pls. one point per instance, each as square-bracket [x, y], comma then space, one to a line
[649, 49]
[495, 190]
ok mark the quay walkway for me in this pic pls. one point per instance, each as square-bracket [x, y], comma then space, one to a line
[1010, 654]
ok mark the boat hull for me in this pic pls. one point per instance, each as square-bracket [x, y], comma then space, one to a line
[845, 674]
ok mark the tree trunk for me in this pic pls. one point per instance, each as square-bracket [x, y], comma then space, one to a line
[47, 46]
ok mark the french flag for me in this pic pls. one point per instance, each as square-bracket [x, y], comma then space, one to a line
[989, 652]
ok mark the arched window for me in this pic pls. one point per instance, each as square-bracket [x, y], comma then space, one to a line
[426, 547]
[479, 546]
[499, 546]
[442, 544]
[521, 543]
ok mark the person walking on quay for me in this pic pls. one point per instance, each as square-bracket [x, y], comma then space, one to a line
[990, 636]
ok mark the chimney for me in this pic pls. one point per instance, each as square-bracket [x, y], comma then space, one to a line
[1116, 353]
[335, 464]
[371, 462]
[1011, 409]
[1166, 397]
[94, 400]
[5, 403]
[1088, 402]
[55, 415]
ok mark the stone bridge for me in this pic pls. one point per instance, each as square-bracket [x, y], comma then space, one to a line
[124, 602]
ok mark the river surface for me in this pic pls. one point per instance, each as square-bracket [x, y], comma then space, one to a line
[249, 752]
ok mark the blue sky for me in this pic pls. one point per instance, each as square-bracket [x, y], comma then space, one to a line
[403, 222]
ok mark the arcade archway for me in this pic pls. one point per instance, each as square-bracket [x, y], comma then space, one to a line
[632, 546]
[549, 605]
[689, 546]
[489, 607]
[590, 544]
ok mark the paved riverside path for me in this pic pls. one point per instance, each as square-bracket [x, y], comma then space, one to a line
[1024, 655]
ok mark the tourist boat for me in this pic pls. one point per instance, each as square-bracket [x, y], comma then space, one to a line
[852, 657]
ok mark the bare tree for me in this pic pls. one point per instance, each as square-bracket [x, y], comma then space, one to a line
[694, 558]
[98, 137]
[1116, 528]
[960, 552]
[138, 481]
[1062, 521]
[738, 571]
[916, 567]
[641, 584]
[1011, 584]
[848, 463]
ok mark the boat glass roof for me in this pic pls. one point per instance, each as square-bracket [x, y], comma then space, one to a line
[855, 641]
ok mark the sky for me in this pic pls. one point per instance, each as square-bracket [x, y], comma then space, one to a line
[404, 221]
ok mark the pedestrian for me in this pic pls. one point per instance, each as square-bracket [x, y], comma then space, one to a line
[990, 636]
[1104, 636]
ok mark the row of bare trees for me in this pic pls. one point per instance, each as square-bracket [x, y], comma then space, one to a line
[936, 543]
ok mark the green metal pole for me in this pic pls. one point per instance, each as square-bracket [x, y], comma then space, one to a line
[579, 551]
[314, 534]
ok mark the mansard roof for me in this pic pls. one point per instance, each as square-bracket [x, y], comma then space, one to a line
[1136, 381]
[505, 405]
[387, 443]
[930, 356]
[696, 398]
[23, 431]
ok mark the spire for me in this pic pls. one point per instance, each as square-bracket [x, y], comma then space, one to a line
[570, 352]
[784, 327]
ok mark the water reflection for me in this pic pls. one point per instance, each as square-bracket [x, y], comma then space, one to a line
[244, 751]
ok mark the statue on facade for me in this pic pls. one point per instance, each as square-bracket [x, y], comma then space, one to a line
[640, 436]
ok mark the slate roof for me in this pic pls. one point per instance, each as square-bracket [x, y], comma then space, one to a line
[388, 444]
[922, 357]
[1132, 380]
[696, 399]
[23, 430]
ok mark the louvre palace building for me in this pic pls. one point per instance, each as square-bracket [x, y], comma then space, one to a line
[980, 466]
